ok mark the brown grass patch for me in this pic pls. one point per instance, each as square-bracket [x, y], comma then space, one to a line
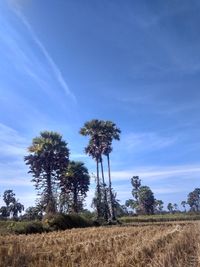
[143, 246]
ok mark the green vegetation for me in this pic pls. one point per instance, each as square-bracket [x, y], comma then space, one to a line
[161, 218]
[62, 187]
[47, 161]
[13, 207]
[48, 224]
[74, 187]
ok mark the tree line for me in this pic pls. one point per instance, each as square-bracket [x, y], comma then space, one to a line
[144, 202]
[61, 184]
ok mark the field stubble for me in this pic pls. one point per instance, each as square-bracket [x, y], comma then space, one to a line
[161, 245]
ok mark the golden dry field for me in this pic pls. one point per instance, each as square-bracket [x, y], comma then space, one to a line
[163, 245]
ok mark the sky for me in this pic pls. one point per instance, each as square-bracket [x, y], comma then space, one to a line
[136, 63]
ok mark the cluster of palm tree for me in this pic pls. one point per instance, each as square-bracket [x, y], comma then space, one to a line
[101, 135]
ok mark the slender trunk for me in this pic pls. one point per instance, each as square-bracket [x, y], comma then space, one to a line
[112, 212]
[106, 210]
[75, 204]
[50, 199]
[98, 192]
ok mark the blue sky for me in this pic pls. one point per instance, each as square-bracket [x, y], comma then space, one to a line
[136, 63]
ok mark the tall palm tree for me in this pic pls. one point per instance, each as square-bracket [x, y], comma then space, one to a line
[110, 133]
[102, 133]
[47, 160]
[91, 129]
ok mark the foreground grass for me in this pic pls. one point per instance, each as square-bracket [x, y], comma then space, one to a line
[161, 218]
[152, 246]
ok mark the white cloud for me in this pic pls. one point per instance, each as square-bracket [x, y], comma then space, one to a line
[145, 141]
[158, 173]
[168, 190]
[56, 71]
[11, 143]
[29, 56]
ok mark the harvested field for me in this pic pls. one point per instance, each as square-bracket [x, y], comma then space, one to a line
[152, 245]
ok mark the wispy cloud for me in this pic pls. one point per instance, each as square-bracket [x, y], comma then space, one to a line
[11, 142]
[29, 56]
[158, 173]
[146, 141]
[55, 69]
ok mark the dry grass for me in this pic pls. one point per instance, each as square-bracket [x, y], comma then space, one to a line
[165, 245]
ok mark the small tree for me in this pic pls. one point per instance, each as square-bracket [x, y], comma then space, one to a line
[8, 197]
[183, 204]
[75, 184]
[136, 183]
[175, 207]
[194, 200]
[146, 200]
[16, 208]
[170, 207]
[158, 206]
[13, 206]
[4, 212]
[133, 204]
[33, 213]
[48, 160]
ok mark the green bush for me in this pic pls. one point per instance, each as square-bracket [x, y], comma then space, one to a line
[26, 227]
[63, 222]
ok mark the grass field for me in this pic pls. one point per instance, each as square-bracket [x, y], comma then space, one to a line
[164, 245]
[161, 218]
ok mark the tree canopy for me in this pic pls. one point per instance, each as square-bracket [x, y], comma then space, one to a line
[47, 161]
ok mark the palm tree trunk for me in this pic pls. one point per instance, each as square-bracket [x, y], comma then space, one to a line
[51, 208]
[106, 210]
[75, 204]
[112, 212]
[98, 191]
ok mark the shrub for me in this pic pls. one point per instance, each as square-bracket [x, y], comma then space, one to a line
[26, 227]
[63, 222]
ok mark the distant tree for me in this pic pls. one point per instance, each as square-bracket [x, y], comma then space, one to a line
[146, 200]
[175, 207]
[13, 206]
[119, 210]
[133, 204]
[75, 184]
[136, 183]
[33, 213]
[4, 212]
[48, 160]
[194, 200]
[170, 207]
[8, 197]
[90, 215]
[158, 206]
[183, 204]
[16, 208]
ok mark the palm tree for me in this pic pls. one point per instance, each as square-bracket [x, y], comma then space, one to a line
[110, 133]
[91, 129]
[75, 184]
[101, 133]
[48, 159]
